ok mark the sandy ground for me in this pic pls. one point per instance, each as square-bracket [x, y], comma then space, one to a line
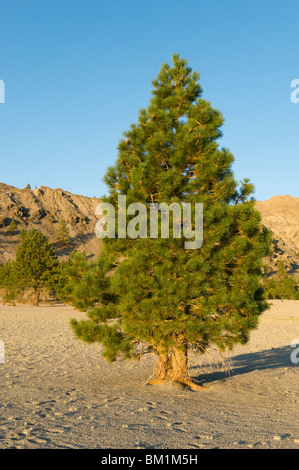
[57, 392]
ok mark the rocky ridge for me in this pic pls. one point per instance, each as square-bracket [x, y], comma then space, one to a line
[280, 214]
[42, 208]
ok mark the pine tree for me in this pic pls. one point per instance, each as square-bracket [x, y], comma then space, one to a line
[36, 264]
[79, 283]
[8, 282]
[23, 234]
[12, 226]
[162, 295]
[63, 233]
[281, 285]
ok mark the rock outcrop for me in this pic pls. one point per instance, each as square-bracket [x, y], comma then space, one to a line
[280, 214]
[42, 209]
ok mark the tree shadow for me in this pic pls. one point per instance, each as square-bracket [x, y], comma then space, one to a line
[274, 358]
[12, 237]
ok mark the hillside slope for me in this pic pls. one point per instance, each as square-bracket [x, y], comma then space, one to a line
[280, 214]
[42, 209]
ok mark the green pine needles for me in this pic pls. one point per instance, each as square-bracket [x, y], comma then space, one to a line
[153, 294]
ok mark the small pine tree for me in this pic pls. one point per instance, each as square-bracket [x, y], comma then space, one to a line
[8, 282]
[12, 226]
[22, 235]
[50, 219]
[281, 285]
[63, 233]
[28, 186]
[36, 264]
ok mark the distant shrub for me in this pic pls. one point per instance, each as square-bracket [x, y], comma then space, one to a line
[50, 219]
[79, 281]
[8, 284]
[62, 234]
[12, 226]
[35, 267]
[280, 285]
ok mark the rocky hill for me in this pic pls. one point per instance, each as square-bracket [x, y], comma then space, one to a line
[43, 208]
[280, 214]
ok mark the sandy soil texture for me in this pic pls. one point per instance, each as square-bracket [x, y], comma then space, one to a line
[57, 392]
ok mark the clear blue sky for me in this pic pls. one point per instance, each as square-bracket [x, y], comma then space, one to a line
[77, 72]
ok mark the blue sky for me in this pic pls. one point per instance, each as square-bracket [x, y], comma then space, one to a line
[76, 73]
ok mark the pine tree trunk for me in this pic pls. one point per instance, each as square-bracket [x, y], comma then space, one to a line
[35, 296]
[173, 367]
[179, 371]
[164, 366]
